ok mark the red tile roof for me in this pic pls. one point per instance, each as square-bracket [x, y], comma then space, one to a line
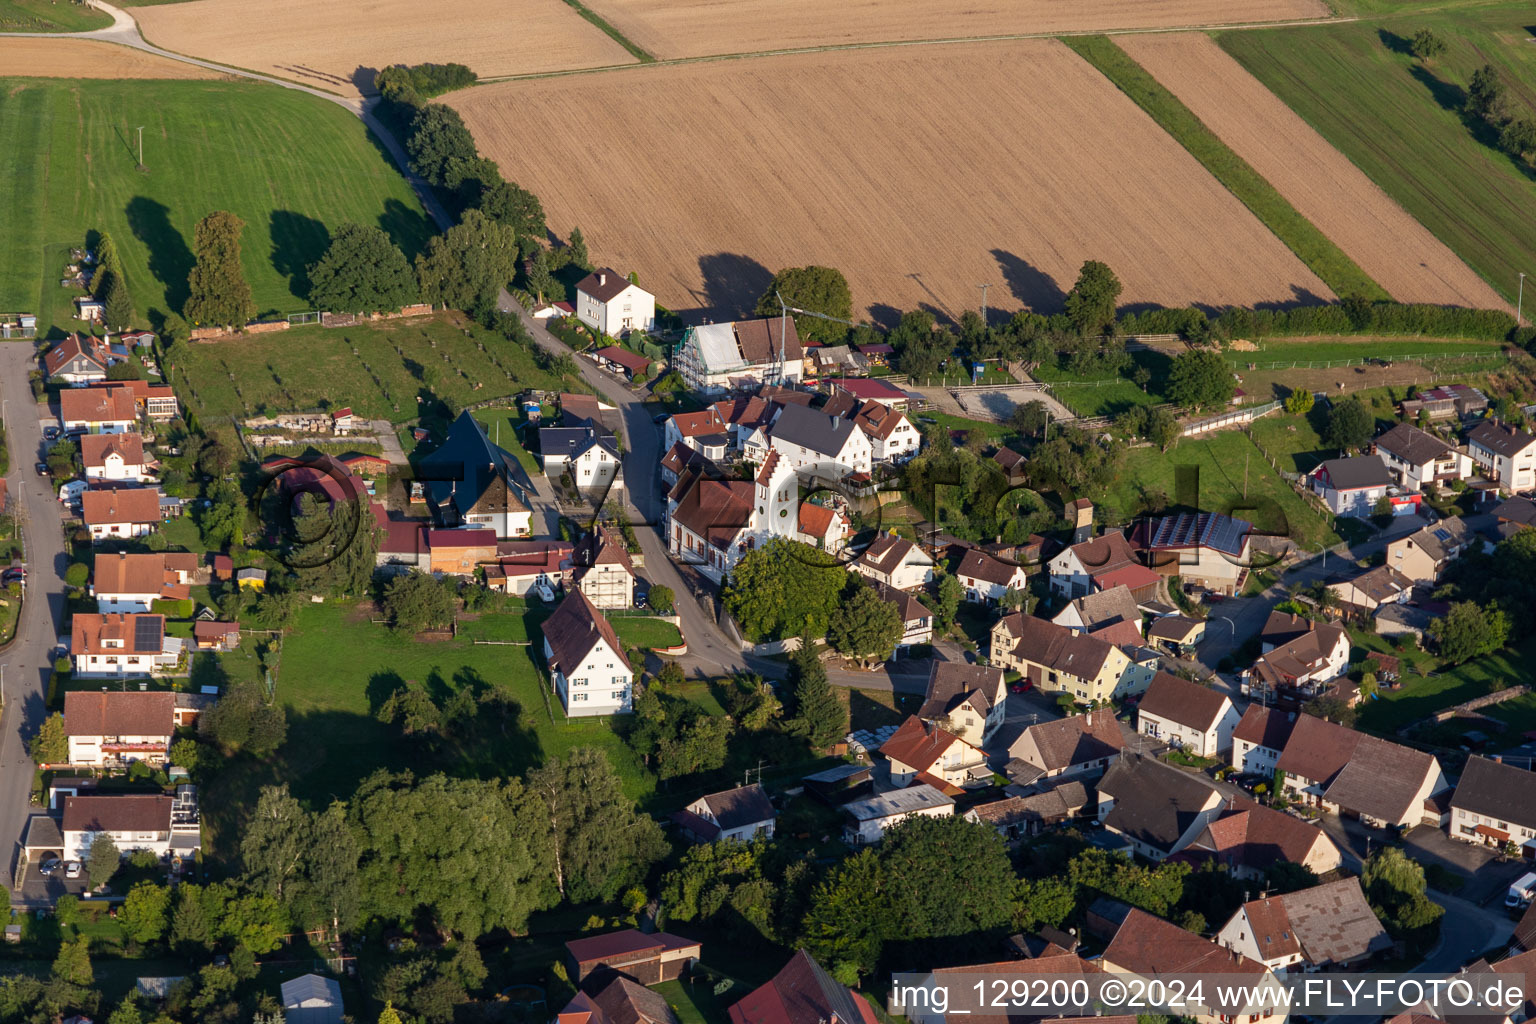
[114, 506]
[919, 745]
[97, 405]
[119, 713]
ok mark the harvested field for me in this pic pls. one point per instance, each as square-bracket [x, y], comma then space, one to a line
[885, 164]
[1397, 251]
[696, 28]
[85, 58]
[339, 47]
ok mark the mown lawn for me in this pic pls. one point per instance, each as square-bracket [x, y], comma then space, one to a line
[291, 166]
[646, 631]
[50, 16]
[1320, 352]
[508, 427]
[1421, 695]
[1401, 122]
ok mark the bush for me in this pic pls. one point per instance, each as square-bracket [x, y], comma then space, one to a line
[662, 599]
[77, 574]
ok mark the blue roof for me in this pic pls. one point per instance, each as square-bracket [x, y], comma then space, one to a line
[1200, 529]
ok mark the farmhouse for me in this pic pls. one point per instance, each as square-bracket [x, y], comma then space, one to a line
[1249, 839]
[1495, 804]
[1365, 593]
[827, 448]
[716, 358]
[740, 814]
[114, 513]
[1326, 926]
[1187, 716]
[1157, 808]
[1151, 948]
[584, 656]
[112, 728]
[892, 437]
[1416, 459]
[968, 700]
[1204, 549]
[471, 482]
[78, 359]
[1259, 738]
[1339, 770]
[896, 562]
[869, 818]
[1504, 454]
[1352, 486]
[114, 458]
[134, 821]
[109, 410]
[924, 753]
[1099, 564]
[986, 579]
[609, 304]
[133, 583]
[1083, 744]
[648, 958]
[602, 569]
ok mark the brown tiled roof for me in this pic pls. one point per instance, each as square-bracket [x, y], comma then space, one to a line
[696, 424]
[907, 606]
[1008, 458]
[815, 520]
[94, 449]
[1149, 946]
[1518, 509]
[1382, 583]
[1251, 835]
[1331, 923]
[1497, 790]
[716, 510]
[1265, 727]
[1318, 749]
[96, 405]
[680, 457]
[603, 284]
[743, 411]
[1177, 628]
[765, 472]
[1525, 930]
[1382, 779]
[139, 633]
[1500, 438]
[623, 944]
[1121, 634]
[1155, 803]
[119, 713]
[1105, 553]
[1179, 700]
[759, 340]
[1045, 643]
[917, 744]
[105, 508]
[1412, 445]
[76, 345]
[127, 812]
[1299, 657]
[602, 547]
[1051, 960]
[887, 551]
[213, 630]
[744, 805]
[951, 682]
[574, 629]
[980, 565]
[1283, 627]
[875, 419]
[1113, 605]
[1271, 929]
[1078, 739]
[634, 362]
[139, 574]
[612, 998]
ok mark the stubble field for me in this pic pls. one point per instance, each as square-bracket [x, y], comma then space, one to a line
[919, 172]
[1397, 251]
[693, 28]
[339, 47]
[85, 58]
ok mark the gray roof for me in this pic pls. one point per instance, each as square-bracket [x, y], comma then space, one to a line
[1438, 539]
[1498, 790]
[744, 805]
[471, 471]
[1356, 473]
[813, 429]
[897, 801]
[1177, 628]
[1412, 445]
[1517, 510]
[1107, 607]
[1334, 923]
[1500, 438]
[1155, 803]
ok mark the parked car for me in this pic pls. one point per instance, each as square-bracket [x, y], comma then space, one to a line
[1023, 686]
[42, 469]
[642, 592]
[50, 433]
[544, 593]
[661, 417]
[72, 869]
[49, 866]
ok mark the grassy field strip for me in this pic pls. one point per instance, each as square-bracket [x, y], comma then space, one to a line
[1309, 244]
[50, 16]
[612, 33]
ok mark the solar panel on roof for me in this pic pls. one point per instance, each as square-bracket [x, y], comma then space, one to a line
[1443, 535]
[146, 634]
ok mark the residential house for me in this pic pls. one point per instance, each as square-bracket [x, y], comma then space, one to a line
[608, 303]
[745, 414]
[1249, 839]
[1092, 612]
[868, 819]
[1187, 716]
[1017, 817]
[1340, 770]
[1416, 459]
[1059, 660]
[1365, 593]
[1153, 949]
[580, 410]
[802, 993]
[602, 569]
[1302, 668]
[706, 432]
[1281, 628]
[916, 618]
[649, 958]
[968, 700]
[559, 444]
[521, 566]
[716, 358]
[896, 562]
[929, 755]
[1447, 401]
[216, 636]
[1518, 512]
[740, 814]
[1259, 739]
[621, 360]
[1078, 745]
[1352, 486]
[597, 468]
[1506, 455]
[311, 999]
[156, 401]
[873, 389]
[458, 552]
[78, 359]
[114, 457]
[681, 457]
[987, 579]
[586, 660]
[1179, 634]
[469, 481]
[108, 410]
[821, 527]
[118, 644]
[134, 821]
[1099, 564]
[1204, 549]
[1157, 808]
[110, 728]
[892, 437]
[708, 522]
[133, 583]
[1424, 556]
[1327, 926]
[1525, 929]
[612, 997]
[1049, 962]
[826, 448]
[1495, 805]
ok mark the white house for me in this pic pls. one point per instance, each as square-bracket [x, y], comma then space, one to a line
[715, 358]
[135, 821]
[118, 513]
[609, 304]
[105, 410]
[108, 728]
[1328, 925]
[922, 752]
[471, 481]
[597, 468]
[1303, 666]
[1259, 738]
[1339, 770]
[892, 437]
[916, 617]
[870, 817]
[118, 644]
[1099, 563]
[709, 522]
[1187, 715]
[114, 457]
[706, 432]
[1415, 459]
[133, 583]
[825, 447]
[1506, 455]
[896, 562]
[1093, 612]
[1352, 486]
[1153, 949]
[968, 700]
[78, 359]
[1206, 549]
[586, 660]
[1495, 804]
[742, 814]
[986, 579]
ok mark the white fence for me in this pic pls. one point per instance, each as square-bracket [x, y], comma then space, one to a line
[1236, 417]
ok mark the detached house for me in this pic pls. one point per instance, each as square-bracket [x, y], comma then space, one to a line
[896, 562]
[742, 814]
[1187, 716]
[892, 437]
[1415, 459]
[1205, 549]
[1504, 454]
[523, 565]
[1352, 486]
[1259, 738]
[924, 753]
[109, 410]
[1495, 804]
[1092, 612]
[867, 819]
[1157, 808]
[78, 359]
[602, 569]
[968, 700]
[1080, 745]
[1424, 556]
[1326, 926]
[740, 356]
[1340, 770]
[705, 432]
[118, 644]
[133, 583]
[987, 579]
[471, 482]
[1249, 839]
[134, 821]
[1101, 563]
[114, 457]
[821, 527]
[1150, 948]
[1300, 669]
[1059, 660]
[609, 304]
[916, 618]
[586, 661]
[1365, 593]
[802, 993]
[824, 447]
[157, 401]
[111, 728]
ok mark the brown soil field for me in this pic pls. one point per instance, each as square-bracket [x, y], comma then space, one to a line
[1324, 186]
[85, 58]
[339, 47]
[696, 28]
[920, 172]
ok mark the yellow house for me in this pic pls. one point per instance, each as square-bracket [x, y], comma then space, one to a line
[1060, 660]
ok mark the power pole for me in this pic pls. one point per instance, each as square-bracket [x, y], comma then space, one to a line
[1245, 478]
[141, 147]
[983, 288]
[1520, 302]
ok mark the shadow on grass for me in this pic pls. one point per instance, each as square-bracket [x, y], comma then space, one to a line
[298, 242]
[170, 261]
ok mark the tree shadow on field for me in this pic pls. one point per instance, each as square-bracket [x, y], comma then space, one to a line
[1449, 95]
[298, 242]
[1029, 284]
[362, 81]
[732, 285]
[884, 316]
[407, 228]
[1394, 42]
[170, 261]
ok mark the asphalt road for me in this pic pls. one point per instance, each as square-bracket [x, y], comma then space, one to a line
[26, 663]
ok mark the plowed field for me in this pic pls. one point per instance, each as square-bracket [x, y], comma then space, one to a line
[1373, 230]
[85, 58]
[920, 172]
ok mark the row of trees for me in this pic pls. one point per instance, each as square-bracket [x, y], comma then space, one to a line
[1488, 102]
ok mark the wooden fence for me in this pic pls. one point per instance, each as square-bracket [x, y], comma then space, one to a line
[1235, 418]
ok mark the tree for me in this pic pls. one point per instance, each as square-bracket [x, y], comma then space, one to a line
[333, 547]
[362, 271]
[950, 594]
[1200, 378]
[662, 599]
[1030, 418]
[109, 264]
[1485, 94]
[819, 715]
[817, 289]
[244, 720]
[1162, 427]
[388, 1016]
[415, 602]
[783, 588]
[61, 459]
[576, 250]
[850, 914]
[1395, 887]
[519, 209]
[117, 305]
[328, 892]
[1350, 425]
[125, 369]
[599, 843]
[1469, 630]
[50, 745]
[218, 293]
[437, 138]
[1332, 707]
[469, 263]
[1426, 45]
[127, 1012]
[864, 626]
[1299, 402]
[144, 913]
[1518, 138]
[102, 860]
[73, 964]
[1091, 302]
[275, 841]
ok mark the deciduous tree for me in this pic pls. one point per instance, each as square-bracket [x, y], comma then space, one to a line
[275, 841]
[1426, 45]
[519, 209]
[1091, 302]
[1299, 402]
[817, 289]
[1350, 425]
[362, 272]
[864, 626]
[599, 843]
[51, 744]
[468, 264]
[1030, 418]
[1469, 630]
[415, 601]
[782, 589]
[1200, 378]
[144, 913]
[438, 137]
[244, 719]
[218, 293]
[102, 860]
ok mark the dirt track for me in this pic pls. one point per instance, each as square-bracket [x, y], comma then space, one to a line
[693, 28]
[1388, 244]
[920, 172]
[339, 46]
[84, 58]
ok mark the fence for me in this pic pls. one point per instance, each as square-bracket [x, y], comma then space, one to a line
[1330, 364]
[304, 318]
[1237, 417]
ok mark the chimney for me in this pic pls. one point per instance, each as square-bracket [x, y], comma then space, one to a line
[602, 279]
[835, 421]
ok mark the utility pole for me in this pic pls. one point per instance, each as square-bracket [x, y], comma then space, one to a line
[984, 288]
[1520, 302]
[1245, 478]
[141, 147]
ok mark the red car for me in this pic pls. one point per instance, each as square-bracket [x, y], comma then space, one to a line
[1023, 686]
